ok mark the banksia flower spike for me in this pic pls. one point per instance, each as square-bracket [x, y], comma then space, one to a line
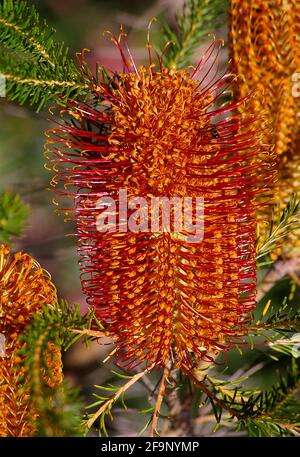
[265, 51]
[165, 296]
[24, 286]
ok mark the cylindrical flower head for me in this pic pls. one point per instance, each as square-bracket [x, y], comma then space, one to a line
[24, 286]
[265, 50]
[172, 294]
[17, 416]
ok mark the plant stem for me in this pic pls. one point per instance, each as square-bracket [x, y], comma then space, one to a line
[117, 395]
[203, 387]
[180, 418]
[160, 397]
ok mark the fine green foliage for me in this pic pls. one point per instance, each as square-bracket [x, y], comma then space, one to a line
[101, 399]
[60, 410]
[13, 216]
[57, 324]
[59, 407]
[277, 411]
[36, 68]
[272, 412]
[285, 318]
[106, 403]
[282, 225]
[197, 19]
[263, 428]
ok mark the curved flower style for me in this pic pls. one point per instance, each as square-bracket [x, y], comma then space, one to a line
[157, 132]
[24, 286]
[265, 51]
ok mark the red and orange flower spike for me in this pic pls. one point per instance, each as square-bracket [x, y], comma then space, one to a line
[24, 286]
[157, 132]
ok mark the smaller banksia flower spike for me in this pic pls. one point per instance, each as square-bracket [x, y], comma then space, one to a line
[265, 52]
[17, 416]
[25, 287]
[53, 376]
[155, 132]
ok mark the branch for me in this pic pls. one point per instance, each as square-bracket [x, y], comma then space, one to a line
[108, 404]
[32, 42]
[159, 400]
[35, 67]
[277, 410]
[88, 332]
[281, 227]
[180, 409]
[215, 399]
[282, 318]
[280, 269]
[43, 338]
[49, 83]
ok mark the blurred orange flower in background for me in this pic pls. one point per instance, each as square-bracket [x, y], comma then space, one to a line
[24, 287]
[265, 50]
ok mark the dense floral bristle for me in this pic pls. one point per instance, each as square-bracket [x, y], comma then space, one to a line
[17, 417]
[24, 286]
[265, 50]
[53, 374]
[158, 133]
